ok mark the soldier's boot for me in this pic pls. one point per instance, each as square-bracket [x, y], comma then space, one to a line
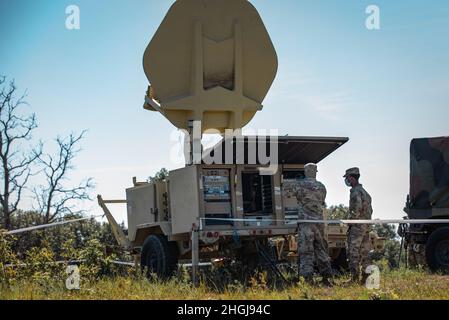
[327, 281]
[355, 278]
[308, 278]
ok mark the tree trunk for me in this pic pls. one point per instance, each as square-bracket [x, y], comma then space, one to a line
[6, 215]
[5, 202]
[7, 220]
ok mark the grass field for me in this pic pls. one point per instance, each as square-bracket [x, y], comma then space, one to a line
[399, 284]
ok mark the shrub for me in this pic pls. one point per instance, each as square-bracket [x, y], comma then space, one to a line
[8, 259]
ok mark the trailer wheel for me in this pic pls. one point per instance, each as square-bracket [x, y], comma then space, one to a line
[159, 256]
[437, 250]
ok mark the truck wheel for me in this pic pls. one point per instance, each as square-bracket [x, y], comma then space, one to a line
[437, 250]
[159, 256]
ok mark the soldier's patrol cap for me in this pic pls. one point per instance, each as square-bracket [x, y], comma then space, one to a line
[352, 171]
[311, 166]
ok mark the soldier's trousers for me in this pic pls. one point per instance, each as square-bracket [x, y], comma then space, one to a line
[358, 248]
[312, 249]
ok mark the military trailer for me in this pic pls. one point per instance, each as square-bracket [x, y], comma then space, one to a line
[428, 199]
[210, 65]
[225, 203]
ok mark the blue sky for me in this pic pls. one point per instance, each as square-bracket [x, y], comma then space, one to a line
[336, 78]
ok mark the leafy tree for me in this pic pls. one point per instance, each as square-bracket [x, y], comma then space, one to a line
[387, 231]
[339, 212]
[390, 252]
[161, 175]
[78, 233]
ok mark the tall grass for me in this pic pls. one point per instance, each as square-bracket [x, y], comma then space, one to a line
[36, 276]
[398, 284]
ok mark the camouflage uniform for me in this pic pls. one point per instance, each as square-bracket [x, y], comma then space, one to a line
[359, 234]
[312, 246]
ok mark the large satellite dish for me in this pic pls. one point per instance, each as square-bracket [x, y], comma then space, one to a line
[210, 61]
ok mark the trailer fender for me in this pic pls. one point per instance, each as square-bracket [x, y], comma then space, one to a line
[145, 230]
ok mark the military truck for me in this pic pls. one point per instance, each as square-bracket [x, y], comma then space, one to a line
[428, 199]
[210, 65]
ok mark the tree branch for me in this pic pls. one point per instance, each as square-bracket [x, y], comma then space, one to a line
[58, 197]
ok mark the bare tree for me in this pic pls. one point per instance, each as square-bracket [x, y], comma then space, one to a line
[15, 167]
[54, 199]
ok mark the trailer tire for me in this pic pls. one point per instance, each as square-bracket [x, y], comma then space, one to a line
[437, 250]
[159, 256]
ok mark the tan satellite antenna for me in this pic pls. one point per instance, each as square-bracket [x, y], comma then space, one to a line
[210, 61]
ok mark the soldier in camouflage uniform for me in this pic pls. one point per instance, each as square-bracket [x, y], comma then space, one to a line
[312, 246]
[359, 234]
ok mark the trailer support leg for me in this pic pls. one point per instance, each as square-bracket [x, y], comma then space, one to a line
[137, 261]
[195, 256]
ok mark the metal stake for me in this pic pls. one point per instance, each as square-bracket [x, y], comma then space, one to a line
[195, 255]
